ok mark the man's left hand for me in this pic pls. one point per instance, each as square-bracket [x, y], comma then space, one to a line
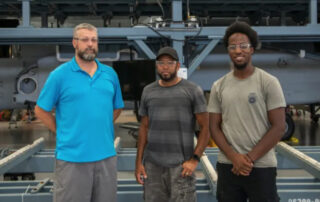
[189, 167]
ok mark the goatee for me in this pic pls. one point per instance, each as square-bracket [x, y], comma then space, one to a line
[240, 66]
[167, 79]
[87, 56]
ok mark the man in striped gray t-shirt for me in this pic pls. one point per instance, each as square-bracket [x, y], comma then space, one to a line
[166, 159]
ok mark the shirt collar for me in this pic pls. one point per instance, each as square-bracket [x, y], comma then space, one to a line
[75, 67]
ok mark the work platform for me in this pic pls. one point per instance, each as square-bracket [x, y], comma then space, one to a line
[34, 159]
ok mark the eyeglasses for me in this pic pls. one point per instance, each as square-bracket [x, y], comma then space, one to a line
[242, 46]
[168, 63]
[86, 40]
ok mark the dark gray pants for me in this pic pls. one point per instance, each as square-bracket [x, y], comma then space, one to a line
[86, 182]
[167, 185]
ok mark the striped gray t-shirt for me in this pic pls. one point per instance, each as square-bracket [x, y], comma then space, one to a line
[171, 112]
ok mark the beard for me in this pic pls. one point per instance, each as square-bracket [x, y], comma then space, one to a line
[168, 78]
[87, 56]
[240, 66]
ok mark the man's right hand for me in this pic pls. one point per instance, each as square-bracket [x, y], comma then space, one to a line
[242, 165]
[140, 173]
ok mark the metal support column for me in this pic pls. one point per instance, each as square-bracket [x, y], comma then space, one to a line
[313, 12]
[177, 10]
[26, 13]
[178, 39]
[178, 46]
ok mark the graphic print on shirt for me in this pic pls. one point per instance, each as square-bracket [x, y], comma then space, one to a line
[252, 97]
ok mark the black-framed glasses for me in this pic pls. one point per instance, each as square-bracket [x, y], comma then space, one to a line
[242, 46]
[86, 40]
[169, 63]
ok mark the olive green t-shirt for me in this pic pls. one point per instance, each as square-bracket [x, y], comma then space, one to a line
[244, 104]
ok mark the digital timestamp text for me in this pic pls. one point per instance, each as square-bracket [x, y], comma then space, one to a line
[304, 200]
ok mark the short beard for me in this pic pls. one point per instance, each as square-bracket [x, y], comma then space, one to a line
[240, 67]
[89, 57]
[167, 79]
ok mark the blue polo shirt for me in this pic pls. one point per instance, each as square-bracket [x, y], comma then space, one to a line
[84, 110]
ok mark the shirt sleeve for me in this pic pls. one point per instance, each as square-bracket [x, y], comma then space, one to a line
[199, 101]
[117, 99]
[214, 105]
[49, 94]
[274, 95]
[143, 106]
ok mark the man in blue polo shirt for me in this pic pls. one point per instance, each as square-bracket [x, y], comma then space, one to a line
[87, 97]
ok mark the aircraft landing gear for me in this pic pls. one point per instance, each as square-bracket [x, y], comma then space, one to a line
[290, 127]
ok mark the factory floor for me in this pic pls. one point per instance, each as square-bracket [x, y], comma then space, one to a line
[23, 133]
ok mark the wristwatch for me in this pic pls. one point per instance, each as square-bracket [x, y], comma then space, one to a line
[196, 157]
